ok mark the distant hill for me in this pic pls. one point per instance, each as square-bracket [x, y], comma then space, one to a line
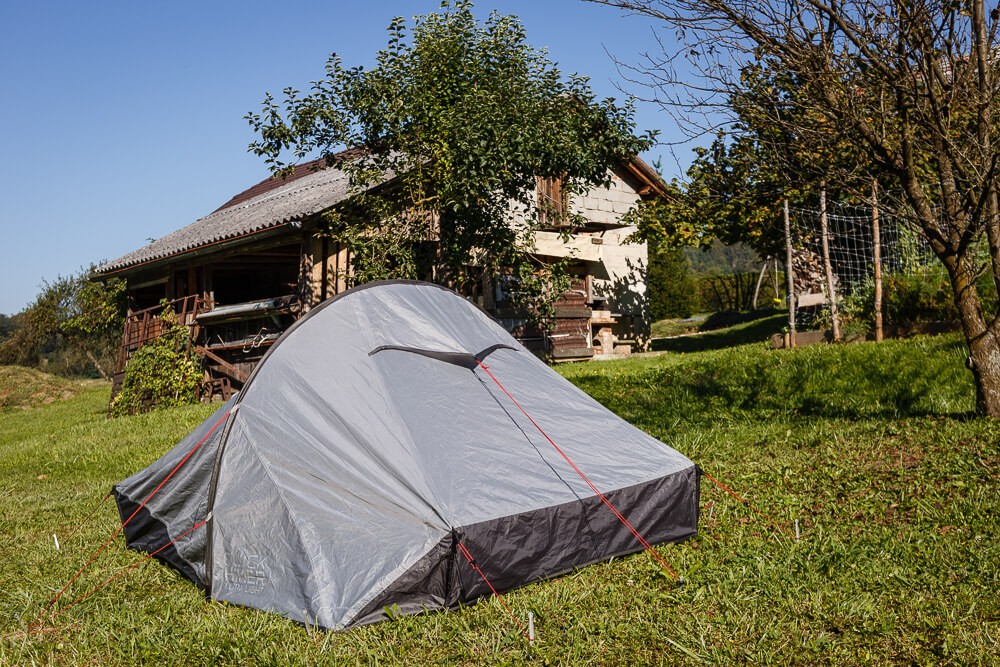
[25, 388]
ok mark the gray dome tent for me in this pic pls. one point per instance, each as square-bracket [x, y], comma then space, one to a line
[370, 445]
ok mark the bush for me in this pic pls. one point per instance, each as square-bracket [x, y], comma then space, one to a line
[916, 297]
[160, 374]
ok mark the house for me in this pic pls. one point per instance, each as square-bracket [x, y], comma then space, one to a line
[239, 276]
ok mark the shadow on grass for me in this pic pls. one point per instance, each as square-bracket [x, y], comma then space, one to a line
[756, 331]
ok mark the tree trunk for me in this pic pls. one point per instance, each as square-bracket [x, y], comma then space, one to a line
[760, 281]
[982, 339]
[97, 364]
[831, 291]
[790, 274]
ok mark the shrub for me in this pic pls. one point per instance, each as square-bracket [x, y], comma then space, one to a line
[915, 297]
[72, 328]
[160, 374]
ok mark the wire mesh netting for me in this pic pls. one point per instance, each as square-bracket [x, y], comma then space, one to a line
[852, 248]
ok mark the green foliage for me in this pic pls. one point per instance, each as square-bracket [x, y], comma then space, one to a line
[733, 292]
[535, 289]
[730, 193]
[466, 115]
[72, 328]
[7, 326]
[722, 259]
[160, 374]
[870, 447]
[671, 289]
[914, 297]
[922, 296]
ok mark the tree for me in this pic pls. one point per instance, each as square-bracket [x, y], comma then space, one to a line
[467, 116]
[73, 326]
[7, 326]
[908, 87]
[671, 289]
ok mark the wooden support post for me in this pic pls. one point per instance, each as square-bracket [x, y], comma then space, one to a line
[305, 288]
[831, 289]
[877, 260]
[790, 275]
[760, 281]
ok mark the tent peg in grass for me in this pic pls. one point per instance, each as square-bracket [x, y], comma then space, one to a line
[796, 530]
[531, 629]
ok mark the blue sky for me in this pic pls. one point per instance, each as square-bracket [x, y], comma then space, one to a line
[123, 121]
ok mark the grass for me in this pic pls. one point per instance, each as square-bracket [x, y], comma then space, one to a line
[27, 388]
[872, 448]
[677, 327]
[711, 337]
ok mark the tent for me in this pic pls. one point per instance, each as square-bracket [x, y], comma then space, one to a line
[398, 451]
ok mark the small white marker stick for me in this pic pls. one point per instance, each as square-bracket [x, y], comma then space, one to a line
[531, 628]
[711, 510]
[796, 529]
[56, 540]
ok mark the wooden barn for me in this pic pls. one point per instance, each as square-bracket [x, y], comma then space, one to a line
[241, 275]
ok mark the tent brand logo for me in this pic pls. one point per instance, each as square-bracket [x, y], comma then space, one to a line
[248, 573]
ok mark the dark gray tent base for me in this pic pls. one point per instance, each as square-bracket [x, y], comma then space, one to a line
[524, 548]
[147, 533]
[516, 550]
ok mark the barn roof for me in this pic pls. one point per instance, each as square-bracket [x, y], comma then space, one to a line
[274, 202]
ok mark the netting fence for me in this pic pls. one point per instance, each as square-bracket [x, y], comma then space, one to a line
[850, 239]
[849, 251]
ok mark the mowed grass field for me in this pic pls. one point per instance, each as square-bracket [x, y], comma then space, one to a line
[871, 448]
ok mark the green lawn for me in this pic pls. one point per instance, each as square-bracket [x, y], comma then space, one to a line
[715, 332]
[872, 448]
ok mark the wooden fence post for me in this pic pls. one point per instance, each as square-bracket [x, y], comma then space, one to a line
[831, 291]
[877, 259]
[790, 275]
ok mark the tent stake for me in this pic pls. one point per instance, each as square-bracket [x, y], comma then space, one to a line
[796, 529]
[56, 540]
[531, 628]
[309, 631]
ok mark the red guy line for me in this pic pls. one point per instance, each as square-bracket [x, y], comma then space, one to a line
[88, 517]
[474, 566]
[746, 502]
[104, 546]
[126, 569]
[642, 540]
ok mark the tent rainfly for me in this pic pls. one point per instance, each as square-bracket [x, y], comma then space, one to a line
[375, 443]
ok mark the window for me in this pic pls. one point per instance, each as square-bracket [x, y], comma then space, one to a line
[551, 202]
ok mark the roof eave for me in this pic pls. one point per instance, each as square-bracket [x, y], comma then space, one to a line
[192, 253]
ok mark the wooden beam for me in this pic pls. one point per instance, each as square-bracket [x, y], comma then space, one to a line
[224, 365]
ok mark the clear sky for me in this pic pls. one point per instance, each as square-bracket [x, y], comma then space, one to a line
[123, 121]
